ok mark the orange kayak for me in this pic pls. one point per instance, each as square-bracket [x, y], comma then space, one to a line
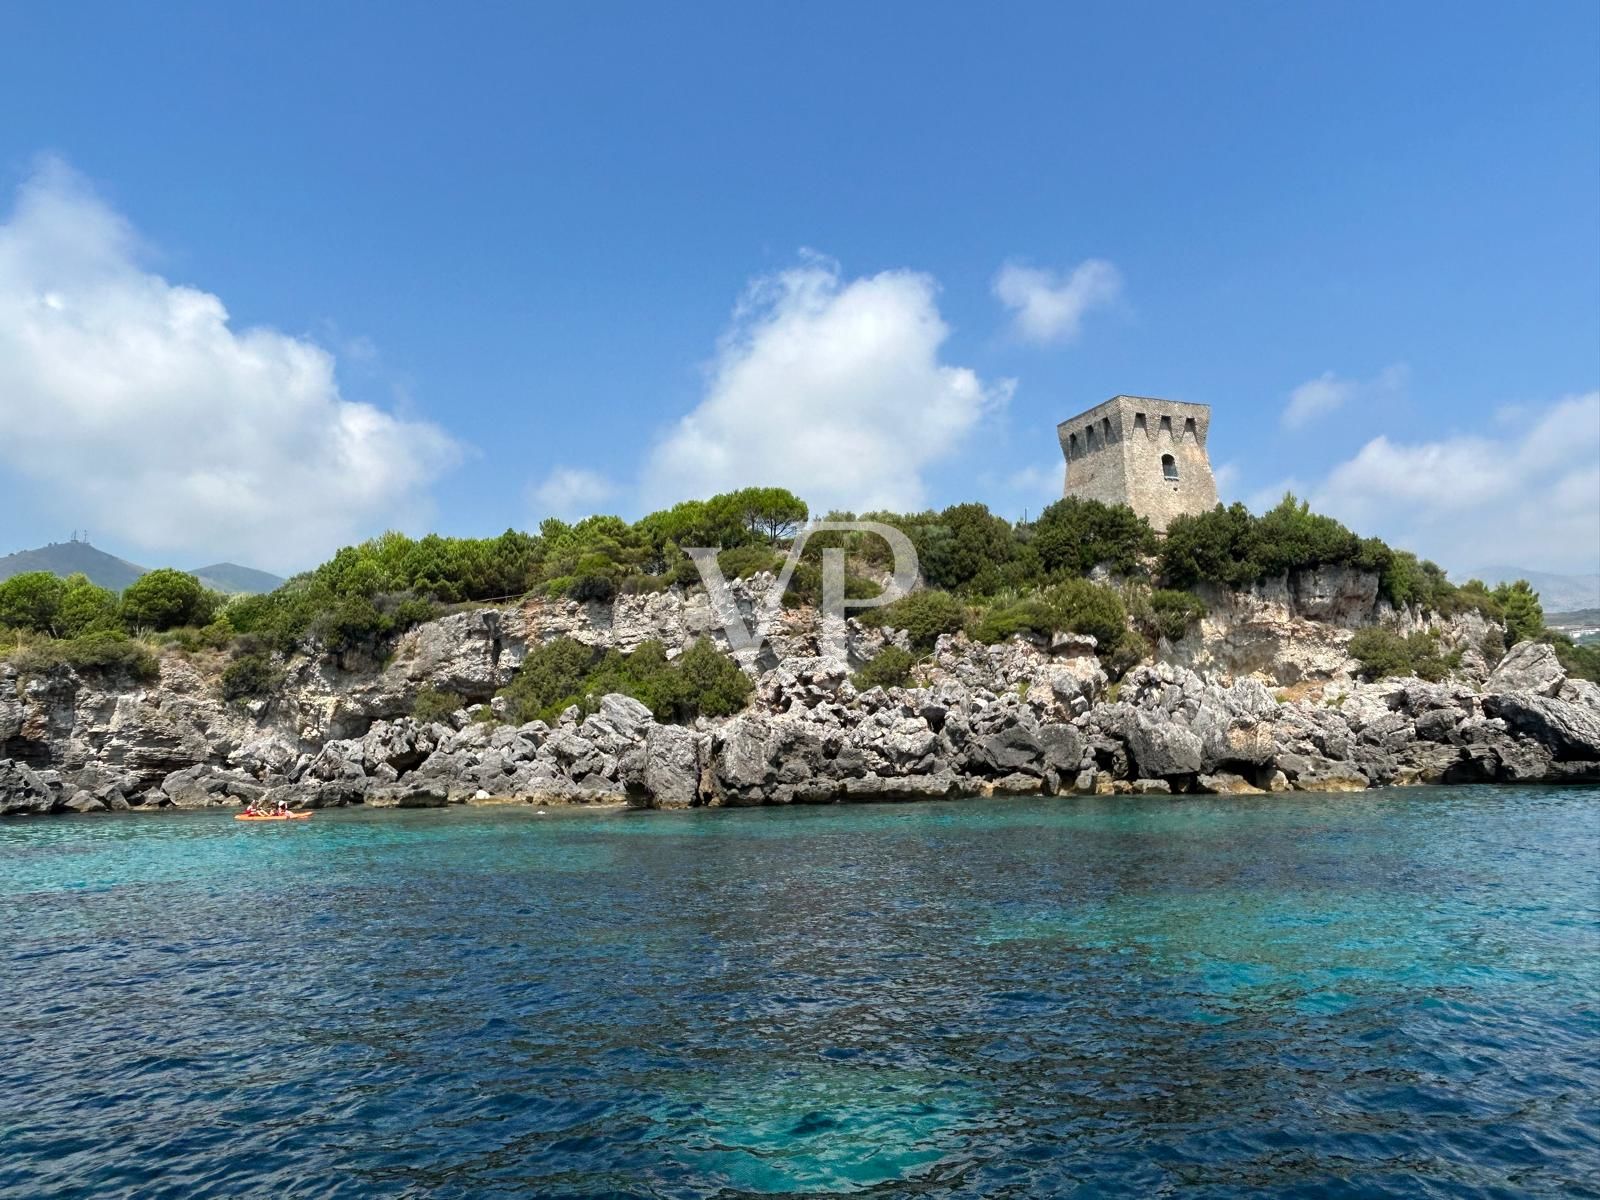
[275, 817]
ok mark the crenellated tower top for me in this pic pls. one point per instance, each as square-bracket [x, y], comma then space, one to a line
[1147, 453]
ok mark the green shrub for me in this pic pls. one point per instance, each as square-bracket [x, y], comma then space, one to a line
[1079, 606]
[1172, 613]
[594, 580]
[1291, 537]
[1523, 615]
[640, 584]
[1215, 547]
[1231, 548]
[86, 607]
[1383, 653]
[965, 548]
[106, 651]
[713, 684]
[350, 624]
[924, 615]
[564, 672]
[1073, 536]
[250, 674]
[216, 636]
[890, 667]
[165, 599]
[1580, 662]
[1007, 618]
[805, 586]
[548, 677]
[405, 611]
[432, 704]
[1075, 605]
[32, 601]
[741, 562]
[1493, 648]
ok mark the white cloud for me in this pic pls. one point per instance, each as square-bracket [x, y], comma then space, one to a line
[571, 492]
[1528, 496]
[829, 387]
[1327, 392]
[1039, 479]
[1227, 478]
[133, 407]
[1048, 306]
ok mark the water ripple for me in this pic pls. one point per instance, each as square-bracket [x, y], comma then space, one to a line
[1395, 994]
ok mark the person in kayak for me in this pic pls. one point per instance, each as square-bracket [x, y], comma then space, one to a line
[283, 808]
[252, 809]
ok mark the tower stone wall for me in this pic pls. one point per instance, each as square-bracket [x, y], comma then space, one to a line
[1146, 453]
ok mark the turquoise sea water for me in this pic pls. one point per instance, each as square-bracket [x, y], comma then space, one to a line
[1390, 994]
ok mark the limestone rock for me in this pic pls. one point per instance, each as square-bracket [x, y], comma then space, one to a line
[672, 766]
[414, 794]
[83, 802]
[1571, 731]
[205, 786]
[22, 791]
[1225, 783]
[619, 724]
[1151, 787]
[1161, 747]
[1529, 667]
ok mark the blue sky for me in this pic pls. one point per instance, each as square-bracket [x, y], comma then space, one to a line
[482, 265]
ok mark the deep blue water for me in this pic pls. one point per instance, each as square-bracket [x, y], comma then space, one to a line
[1390, 994]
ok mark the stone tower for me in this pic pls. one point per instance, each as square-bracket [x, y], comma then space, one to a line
[1148, 454]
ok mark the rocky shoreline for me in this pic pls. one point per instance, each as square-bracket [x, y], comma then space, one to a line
[1260, 699]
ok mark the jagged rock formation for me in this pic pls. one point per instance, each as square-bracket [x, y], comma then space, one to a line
[1016, 718]
[1298, 626]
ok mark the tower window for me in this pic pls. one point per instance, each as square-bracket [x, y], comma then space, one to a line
[1088, 437]
[1188, 429]
[1169, 468]
[1166, 426]
[1072, 445]
[1105, 427]
[1139, 425]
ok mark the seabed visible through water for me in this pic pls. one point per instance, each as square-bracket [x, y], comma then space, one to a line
[1384, 994]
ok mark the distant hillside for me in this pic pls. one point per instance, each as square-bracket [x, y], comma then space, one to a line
[72, 558]
[1557, 593]
[232, 578]
[1582, 626]
[109, 571]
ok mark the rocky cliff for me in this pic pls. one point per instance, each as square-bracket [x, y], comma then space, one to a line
[1211, 714]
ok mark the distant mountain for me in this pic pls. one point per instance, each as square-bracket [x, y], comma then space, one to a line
[72, 558]
[109, 571]
[232, 578]
[1557, 593]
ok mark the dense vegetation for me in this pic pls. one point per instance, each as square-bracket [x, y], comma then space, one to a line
[564, 672]
[1382, 652]
[983, 574]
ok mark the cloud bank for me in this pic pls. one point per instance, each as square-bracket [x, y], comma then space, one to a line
[134, 408]
[1048, 306]
[1327, 393]
[570, 492]
[833, 388]
[1530, 497]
